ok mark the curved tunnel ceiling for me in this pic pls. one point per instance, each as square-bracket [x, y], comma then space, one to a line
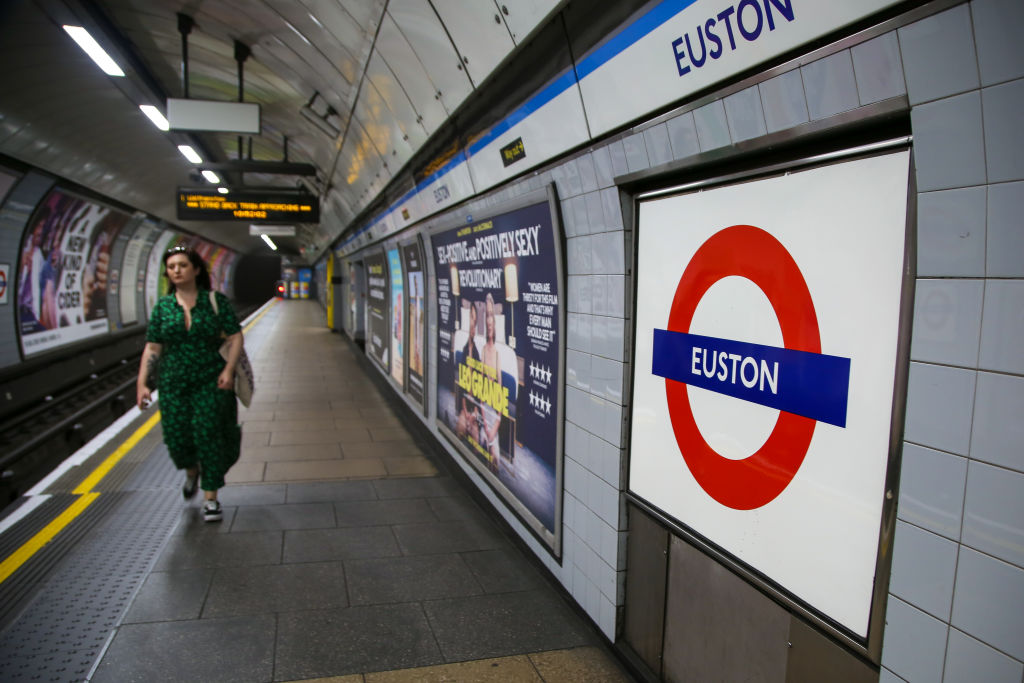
[353, 87]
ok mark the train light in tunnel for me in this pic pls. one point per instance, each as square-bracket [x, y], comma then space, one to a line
[270, 242]
[155, 116]
[190, 154]
[93, 49]
[211, 176]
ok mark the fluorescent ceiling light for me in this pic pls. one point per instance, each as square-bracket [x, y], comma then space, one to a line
[93, 49]
[190, 154]
[270, 242]
[211, 176]
[222, 190]
[155, 116]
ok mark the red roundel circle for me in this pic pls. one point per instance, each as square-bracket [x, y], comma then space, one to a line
[749, 252]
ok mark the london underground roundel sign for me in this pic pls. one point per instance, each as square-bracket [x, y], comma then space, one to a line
[805, 385]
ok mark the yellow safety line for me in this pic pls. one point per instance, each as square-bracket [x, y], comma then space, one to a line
[248, 327]
[90, 482]
[22, 554]
[85, 492]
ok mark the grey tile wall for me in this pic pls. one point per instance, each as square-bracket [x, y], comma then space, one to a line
[962, 478]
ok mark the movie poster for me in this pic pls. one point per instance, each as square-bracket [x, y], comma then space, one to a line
[353, 300]
[377, 309]
[63, 272]
[397, 317]
[499, 312]
[412, 255]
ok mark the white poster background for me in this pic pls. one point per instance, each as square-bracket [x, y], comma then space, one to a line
[155, 268]
[845, 226]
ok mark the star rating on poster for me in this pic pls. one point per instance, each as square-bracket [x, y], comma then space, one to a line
[540, 403]
[540, 372]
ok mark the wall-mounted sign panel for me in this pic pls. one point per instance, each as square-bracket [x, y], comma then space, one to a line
[211, 115]
[272, 230]
[64, 271]
[499, 358]
[684, 47]
[416, 322]
[377, 305]
[767, 322]
[252, 207]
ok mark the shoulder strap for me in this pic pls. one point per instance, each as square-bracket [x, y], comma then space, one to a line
[213, 302]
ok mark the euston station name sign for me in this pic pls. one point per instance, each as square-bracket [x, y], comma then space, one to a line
[253, 207]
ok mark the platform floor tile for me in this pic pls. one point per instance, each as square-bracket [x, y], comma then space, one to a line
[226, 650]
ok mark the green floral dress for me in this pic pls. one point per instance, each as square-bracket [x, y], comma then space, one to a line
[200, 421]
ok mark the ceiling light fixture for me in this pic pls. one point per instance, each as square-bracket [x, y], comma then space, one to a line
[155, 116]
[222, 190]
[93, 49]
[190, 154]
[270, 242]
[212, 177]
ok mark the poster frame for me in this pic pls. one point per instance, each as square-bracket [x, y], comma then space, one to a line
[424, 327]
[79, 340]
[544, 195]
[871, 645]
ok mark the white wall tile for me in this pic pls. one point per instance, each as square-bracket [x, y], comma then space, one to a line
[994, 512]
[998, 26]
[879, 69]
[1005, 233]
[783, 101]
[612, 208]
[948, 143]
[914, 643]
[595, 213]
[618, 154]
[571, 183]
[947, 321]
[603, 167]
[998, 428]
[588, 172]
[581, 293]
[607, 253]
[932, 490]
[1002, 328]
[988, 602]
[744, 114]
[606, 379]
[951, 233]
[682, 135]
[1004, 144]
[577, 369]
[659, 149]
[923, 569]
[938, 55]
[576, 406]
[636, 153]
[830, 85]
[969, 661]
[712, 127]
[606, 620]
[939, 407]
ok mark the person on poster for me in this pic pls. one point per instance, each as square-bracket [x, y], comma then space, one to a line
[491, 418]
[416, 353]
[94, 279]
[468, 410]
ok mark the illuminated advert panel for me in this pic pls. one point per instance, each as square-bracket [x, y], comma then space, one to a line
[499, 359]
[254, 207]
[415, 322]
[377, 306]
[64, 271]
[398, 321]
[767, 322]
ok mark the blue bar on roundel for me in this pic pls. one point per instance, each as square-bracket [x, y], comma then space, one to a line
[813, 385]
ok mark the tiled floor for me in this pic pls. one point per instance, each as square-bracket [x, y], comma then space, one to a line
[346, 552]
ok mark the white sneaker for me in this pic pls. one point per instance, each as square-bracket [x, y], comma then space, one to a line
[212, 511]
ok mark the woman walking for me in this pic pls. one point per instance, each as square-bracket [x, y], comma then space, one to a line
[197, 401]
